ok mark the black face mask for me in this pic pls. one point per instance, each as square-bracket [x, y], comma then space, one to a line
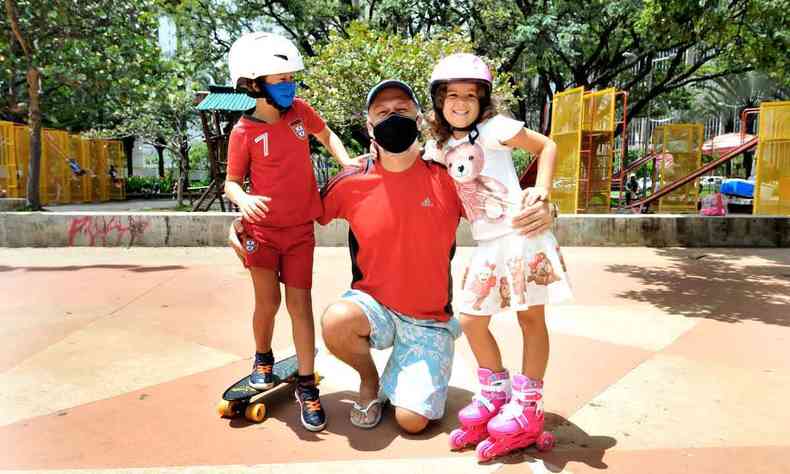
[396, 133]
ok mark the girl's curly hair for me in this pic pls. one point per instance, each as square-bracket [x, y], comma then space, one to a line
[439, 127]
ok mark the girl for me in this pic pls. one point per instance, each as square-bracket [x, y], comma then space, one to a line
[508, 271]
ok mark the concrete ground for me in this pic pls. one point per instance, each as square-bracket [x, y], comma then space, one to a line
[669, 361]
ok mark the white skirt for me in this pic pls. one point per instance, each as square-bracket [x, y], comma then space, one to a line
[512, 273]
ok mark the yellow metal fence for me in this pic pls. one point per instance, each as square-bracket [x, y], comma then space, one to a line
[772, 172]
[73, 169]
[680, 153]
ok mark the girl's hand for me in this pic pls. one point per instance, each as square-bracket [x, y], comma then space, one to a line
[254, 208]
[535, 195]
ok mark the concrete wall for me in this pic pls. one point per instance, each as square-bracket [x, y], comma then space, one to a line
[11, 204]
[184, 229]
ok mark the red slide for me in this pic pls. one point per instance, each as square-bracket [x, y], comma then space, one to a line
[746, 146]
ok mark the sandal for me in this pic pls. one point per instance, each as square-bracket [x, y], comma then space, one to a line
[369, 416]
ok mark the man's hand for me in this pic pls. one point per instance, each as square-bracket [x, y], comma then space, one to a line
[533, 219]
[235, 230]
[254, 208]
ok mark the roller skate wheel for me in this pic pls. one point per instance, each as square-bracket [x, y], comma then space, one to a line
[545, 441]
[484, 450]
[457, 440]
[255, 412]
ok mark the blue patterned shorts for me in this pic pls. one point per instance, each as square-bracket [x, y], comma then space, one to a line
[418, 371]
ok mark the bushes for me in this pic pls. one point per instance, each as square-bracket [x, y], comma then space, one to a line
[149, 186]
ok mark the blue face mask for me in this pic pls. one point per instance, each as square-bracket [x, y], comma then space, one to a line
[282, 93]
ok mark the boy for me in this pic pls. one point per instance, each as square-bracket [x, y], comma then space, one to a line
[271, 145]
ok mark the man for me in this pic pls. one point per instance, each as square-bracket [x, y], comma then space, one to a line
[403, 213]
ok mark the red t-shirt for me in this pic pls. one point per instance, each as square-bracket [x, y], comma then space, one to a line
[402, 234]
[277, 158]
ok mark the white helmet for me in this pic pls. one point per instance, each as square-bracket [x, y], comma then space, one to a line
[262, 54]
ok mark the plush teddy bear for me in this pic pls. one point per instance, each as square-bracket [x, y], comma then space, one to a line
[483, 197]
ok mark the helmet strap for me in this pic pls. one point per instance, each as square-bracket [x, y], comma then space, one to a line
[472, 129]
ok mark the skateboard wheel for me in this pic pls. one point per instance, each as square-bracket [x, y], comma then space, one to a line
[318, 378]
[255, 412]
[225, 409]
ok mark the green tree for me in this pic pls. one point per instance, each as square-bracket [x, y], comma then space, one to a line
[649, 47]
[339, 77]
[166, 119]
[78, 60]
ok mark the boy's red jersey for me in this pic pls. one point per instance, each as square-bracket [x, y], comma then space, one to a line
[277, 159]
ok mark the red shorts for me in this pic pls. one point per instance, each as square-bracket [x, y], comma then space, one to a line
[286, 250]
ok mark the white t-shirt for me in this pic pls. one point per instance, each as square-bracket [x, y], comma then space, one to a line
[485, 176]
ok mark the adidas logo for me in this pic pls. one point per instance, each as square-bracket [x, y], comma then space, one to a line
[427, 203]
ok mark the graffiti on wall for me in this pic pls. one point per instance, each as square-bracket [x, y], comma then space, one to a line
[111, 231]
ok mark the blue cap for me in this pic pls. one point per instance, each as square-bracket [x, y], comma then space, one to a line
[385, 84]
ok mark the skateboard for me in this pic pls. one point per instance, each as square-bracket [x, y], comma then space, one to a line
[240, 398]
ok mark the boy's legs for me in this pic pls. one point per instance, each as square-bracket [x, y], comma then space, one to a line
[296, 273]
[300, 307]
[267, 302]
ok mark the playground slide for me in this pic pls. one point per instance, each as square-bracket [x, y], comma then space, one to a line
[746, 146]
[630, 169]
[530, 175]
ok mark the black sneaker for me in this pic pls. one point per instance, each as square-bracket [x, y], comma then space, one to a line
[312, 413]
[262, 377]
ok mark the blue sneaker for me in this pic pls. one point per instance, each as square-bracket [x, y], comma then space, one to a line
[312, 413]
[262, 377]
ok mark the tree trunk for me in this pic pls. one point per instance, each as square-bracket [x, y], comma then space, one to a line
[128, 149]
[34, 171]
[160, 152]
[183, 173]
[34, 109]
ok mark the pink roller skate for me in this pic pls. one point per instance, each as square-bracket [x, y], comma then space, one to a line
[494, 393]
[519, 423]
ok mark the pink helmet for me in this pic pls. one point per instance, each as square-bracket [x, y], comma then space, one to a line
[460, 66]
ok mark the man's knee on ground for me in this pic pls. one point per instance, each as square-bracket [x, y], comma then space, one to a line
[338, 323]
[409, 421]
